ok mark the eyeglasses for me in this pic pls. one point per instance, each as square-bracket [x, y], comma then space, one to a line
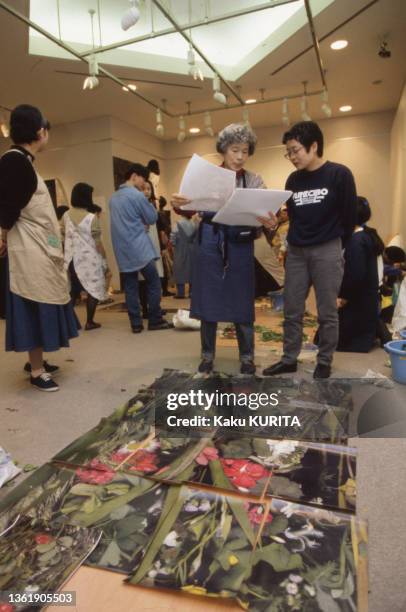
[292, 152]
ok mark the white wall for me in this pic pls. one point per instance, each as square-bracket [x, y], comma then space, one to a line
[361, 142]
[398, 169]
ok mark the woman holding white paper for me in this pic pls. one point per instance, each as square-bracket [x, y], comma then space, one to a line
[223, 276]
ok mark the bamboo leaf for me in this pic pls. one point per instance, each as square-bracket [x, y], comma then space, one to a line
[278, 556]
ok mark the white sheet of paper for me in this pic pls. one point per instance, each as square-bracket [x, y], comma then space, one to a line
[245, 205]
[207, 185]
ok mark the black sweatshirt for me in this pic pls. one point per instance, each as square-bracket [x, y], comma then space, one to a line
[18, 183]
[323, 205]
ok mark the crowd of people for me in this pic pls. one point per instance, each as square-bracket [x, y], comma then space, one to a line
[320, 238]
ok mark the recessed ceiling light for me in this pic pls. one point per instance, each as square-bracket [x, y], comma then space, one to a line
[250, 101]
[124, 88]
[194, 130]
[339, 44]
[346, 108]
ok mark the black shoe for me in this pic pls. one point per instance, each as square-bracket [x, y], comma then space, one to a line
[92, 325]
[163, 312]
[248, 367]
[322, 371]
[50, 369]
[137, 329]
[44, 382]
[167, 293]
[205, 366]
[161, 325]
[280, 368]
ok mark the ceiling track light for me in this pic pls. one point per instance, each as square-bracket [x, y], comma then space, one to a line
[182, 129]
[325, 106]
[303, 104]
[193, 71]
[285, 113]
[245, 116]
[91, 82]
[218, 95]
[4, 129]
[160, 130]
[131, 17]
[208, 127]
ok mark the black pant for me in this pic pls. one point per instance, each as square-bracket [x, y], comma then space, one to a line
[3, 285]
[76, 289]
[245, 337]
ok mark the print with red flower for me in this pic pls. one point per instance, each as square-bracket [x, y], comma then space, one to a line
[6, 607]
[95, 472]
[256, 515]
[244, 474]
[43, 538]
[143, 461]
[207, 454]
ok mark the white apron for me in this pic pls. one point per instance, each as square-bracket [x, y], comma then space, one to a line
[81, 248]
[36, 261]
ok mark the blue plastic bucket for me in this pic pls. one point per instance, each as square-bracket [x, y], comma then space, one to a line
[397, 352]
[403, 334]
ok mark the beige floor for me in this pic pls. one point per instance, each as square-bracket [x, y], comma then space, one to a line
[105, 367]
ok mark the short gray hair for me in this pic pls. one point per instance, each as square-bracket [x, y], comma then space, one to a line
[236, 133]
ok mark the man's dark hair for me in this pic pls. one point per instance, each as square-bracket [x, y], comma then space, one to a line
[306, 132]
[395, 254]
[162, 202]
[138, 169]
[153, 166]
[363, 216]
[25, 123]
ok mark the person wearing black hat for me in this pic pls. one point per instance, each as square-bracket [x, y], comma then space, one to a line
[39, 316]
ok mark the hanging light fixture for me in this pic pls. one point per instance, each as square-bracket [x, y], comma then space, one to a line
[245, 116]
[160, 130]
[218, 95]
[131, 17]
[208, 127]
[91, 82]
[303, 104]
[285, 113]
[194, 71]
[4, 128]
[182, 129]
[325, 107]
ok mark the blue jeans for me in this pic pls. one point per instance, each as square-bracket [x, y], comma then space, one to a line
[245, 338]
[180, 289]
[130, 281]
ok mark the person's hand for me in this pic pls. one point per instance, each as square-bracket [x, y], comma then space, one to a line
[341, 303]
[179, 200]
[3, 248]
[270, 222]
[282, 257]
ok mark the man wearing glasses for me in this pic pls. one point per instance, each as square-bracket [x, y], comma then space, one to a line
[322, 216]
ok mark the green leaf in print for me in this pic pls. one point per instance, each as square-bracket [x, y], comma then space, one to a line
[279, 557]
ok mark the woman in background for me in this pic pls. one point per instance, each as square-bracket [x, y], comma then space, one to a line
[39, 316]
[182, 240]
[153, 232]
[358, 300]
[84, 251]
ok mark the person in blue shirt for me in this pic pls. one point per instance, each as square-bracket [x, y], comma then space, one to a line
[130, 216]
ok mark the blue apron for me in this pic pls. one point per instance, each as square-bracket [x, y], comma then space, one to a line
[222, 292]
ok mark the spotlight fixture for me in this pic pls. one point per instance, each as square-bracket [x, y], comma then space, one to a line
[337, 45]
[384, 52]
[303, 108]
[160, 130]
[194, 130]
[208, 128]
[182, 129]
[250, 101]
[218, 96]
[346, 108]
[125, 88]
[131, 16]
[91, 82]
[285, 113]
[245, 116]
[325, 107]
[132, 86]
[194, 71]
